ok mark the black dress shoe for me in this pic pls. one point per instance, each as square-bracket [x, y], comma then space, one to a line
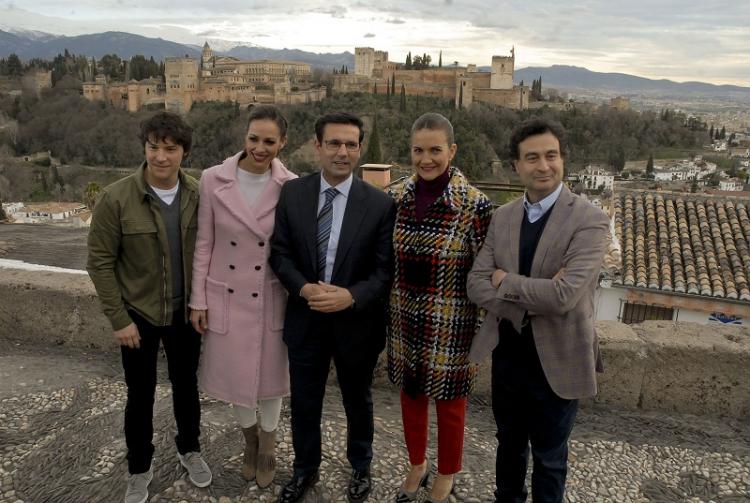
[295, 489]
[359, 486]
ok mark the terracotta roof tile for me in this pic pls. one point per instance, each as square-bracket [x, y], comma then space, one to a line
[683, 243]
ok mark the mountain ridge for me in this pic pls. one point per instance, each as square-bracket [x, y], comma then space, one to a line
[33, 44]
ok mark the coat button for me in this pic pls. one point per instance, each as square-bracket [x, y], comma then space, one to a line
[261, 243]
[255, 294]
[233, 243]
[257, 268]
[231, 267]
[230, 290]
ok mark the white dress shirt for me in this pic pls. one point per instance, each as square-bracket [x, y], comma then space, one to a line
[535, 211]
[339, 207]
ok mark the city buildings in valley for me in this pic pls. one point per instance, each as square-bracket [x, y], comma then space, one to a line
[731, 185]
[595, 178]
[684, 170]
[464, 85]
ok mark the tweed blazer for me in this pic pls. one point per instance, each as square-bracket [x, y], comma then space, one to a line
[561, 311]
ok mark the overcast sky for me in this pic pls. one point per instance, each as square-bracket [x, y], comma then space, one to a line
[681, 40]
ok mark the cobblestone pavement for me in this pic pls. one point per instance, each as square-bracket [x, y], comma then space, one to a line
[61, 442]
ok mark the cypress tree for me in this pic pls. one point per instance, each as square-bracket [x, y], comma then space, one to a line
[402, 101]
[373, 154]
[440, 60]
[408, 61]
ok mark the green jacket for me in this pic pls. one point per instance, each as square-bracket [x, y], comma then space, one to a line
[129, 252]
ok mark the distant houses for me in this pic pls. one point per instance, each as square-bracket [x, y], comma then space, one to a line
[684, 170]
[73, 214]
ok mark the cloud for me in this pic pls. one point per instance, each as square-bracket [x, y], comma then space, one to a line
[369, 35]
[395, 21]
[335, 11]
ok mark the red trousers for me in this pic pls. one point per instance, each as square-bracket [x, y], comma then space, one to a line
[451, 416]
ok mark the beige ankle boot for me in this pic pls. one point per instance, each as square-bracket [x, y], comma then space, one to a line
[266, 458]
[249, 459]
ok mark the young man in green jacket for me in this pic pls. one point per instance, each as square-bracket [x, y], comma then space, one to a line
[141, 245]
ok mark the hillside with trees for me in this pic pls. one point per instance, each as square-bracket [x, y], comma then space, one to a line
[79, 131]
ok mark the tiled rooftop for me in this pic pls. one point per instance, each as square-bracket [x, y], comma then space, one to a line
[682, 243]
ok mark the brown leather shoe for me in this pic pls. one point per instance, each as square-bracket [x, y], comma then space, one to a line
[266, 458]
[250, 456]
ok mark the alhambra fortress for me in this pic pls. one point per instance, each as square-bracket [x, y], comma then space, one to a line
[463, 85]
[222, 78]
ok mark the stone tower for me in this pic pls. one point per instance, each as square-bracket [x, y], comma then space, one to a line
[364, 61]
[207, 60]
[464, 91]
[181, 80]
[502, 71]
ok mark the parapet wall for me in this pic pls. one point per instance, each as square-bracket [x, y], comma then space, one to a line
[657, 365]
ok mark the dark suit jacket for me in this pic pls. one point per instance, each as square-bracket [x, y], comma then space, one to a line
[363, 261]
[561, 312]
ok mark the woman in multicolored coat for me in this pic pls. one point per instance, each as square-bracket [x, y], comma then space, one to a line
[440, 225]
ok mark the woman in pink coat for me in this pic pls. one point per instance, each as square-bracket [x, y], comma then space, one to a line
[237, 303]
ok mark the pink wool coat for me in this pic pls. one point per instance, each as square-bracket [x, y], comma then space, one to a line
[244, 358]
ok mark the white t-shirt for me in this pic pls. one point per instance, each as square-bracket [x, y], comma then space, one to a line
[252, 185]
[166, 195]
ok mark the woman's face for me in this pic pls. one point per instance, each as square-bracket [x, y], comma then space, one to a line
[263, 142]
[430, 153]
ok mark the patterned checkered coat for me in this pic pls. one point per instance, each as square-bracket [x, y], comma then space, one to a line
[431, 320]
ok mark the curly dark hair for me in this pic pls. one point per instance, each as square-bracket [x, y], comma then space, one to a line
[165, 125]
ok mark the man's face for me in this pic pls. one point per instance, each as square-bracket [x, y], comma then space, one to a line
[339, 151]
[163, 158]
[540, 165]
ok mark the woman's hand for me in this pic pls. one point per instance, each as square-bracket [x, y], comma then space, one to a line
[199, 320]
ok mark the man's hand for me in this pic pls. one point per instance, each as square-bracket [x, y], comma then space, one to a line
[559, 274]
[332, 299]
[199, 320]
[128, 336]
[310, 290]
[497, 277]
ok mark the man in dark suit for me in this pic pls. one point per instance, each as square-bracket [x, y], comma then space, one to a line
[332, 250]
[536, 275]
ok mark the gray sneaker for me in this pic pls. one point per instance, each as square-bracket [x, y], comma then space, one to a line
[198, 471]
[137, 491]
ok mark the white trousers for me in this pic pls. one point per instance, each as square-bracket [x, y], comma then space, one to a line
[270, 410]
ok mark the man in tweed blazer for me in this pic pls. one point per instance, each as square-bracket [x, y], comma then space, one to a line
[536, 276]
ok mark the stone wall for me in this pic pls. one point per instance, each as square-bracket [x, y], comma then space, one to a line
[657, 365]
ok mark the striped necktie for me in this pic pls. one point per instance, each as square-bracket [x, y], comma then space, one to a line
[325, 220]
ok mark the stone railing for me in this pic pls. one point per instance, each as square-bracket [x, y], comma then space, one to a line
[657, 365]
